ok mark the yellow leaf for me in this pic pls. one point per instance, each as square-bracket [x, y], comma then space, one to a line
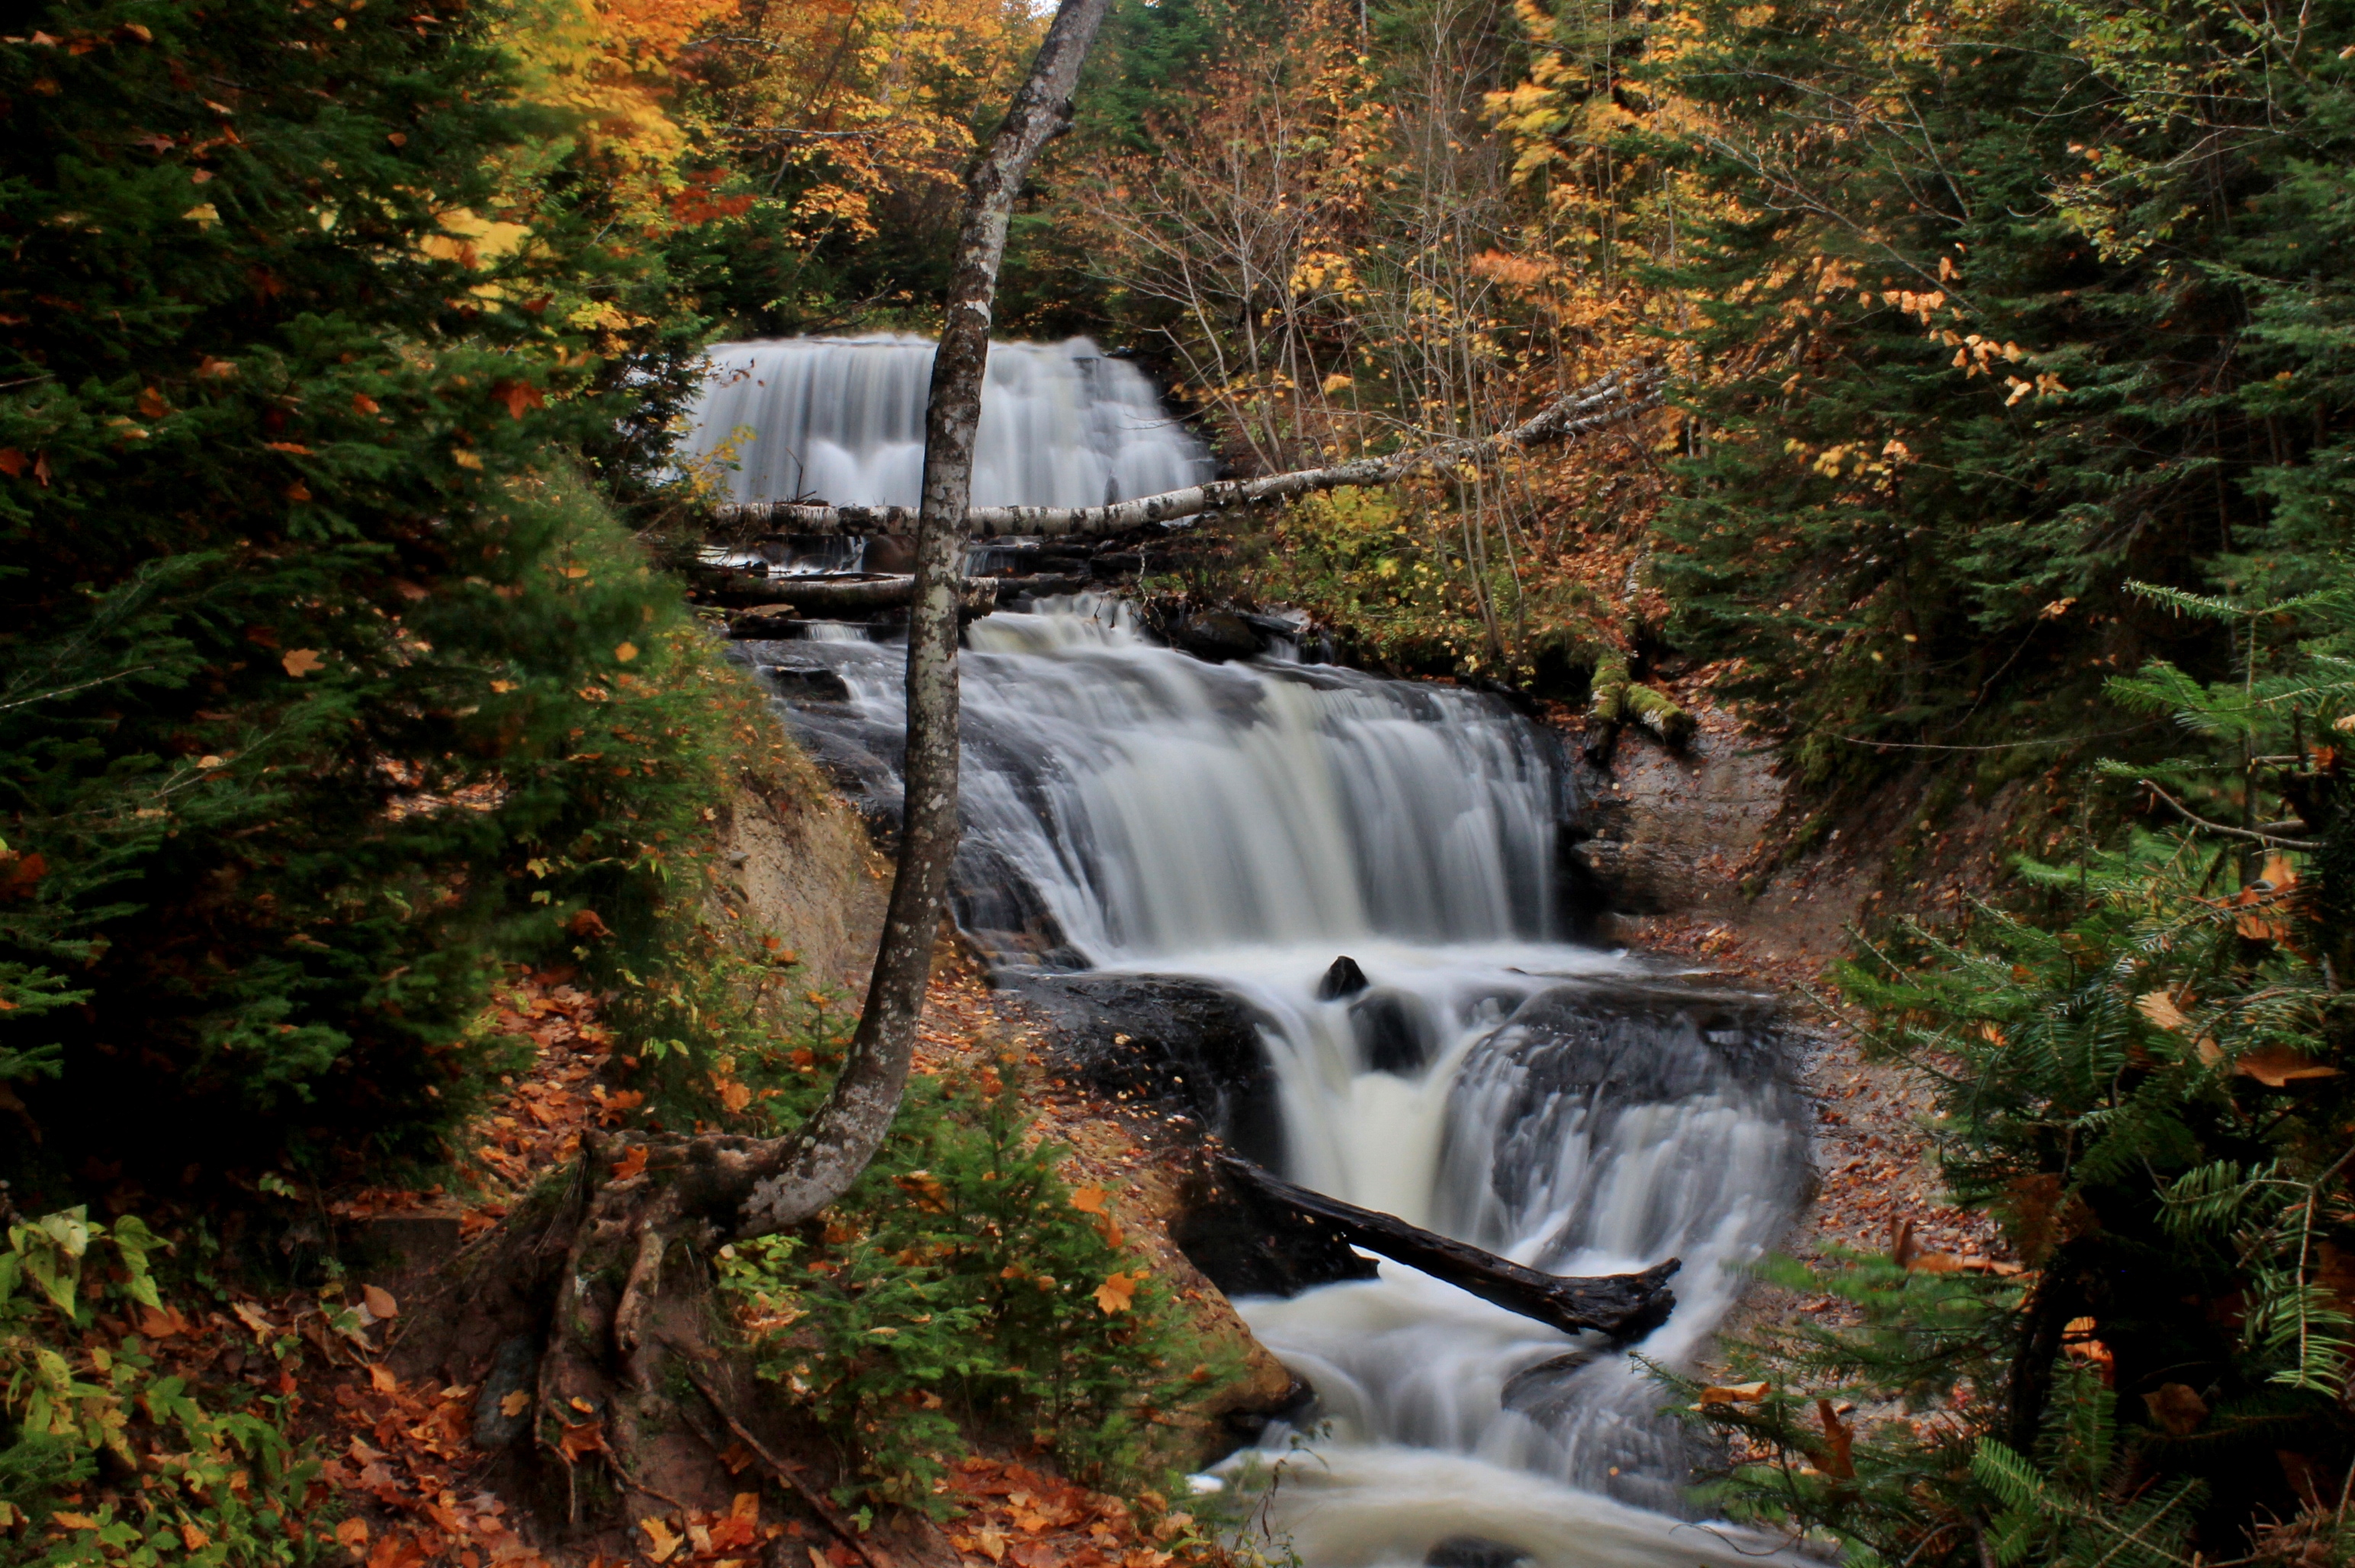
[302, 661]
[464, 459]
[379, 1301]
[626, 652]
[514, 1404]
[1116, 1292]
[204, 215]
[382, 1378]
[73, 1520]
[665, 1541]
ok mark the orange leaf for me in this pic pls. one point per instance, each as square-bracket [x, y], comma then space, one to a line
[12, 462]
[1116, 1292]
[631, 1163]
[363, 403]
[353, 1532]
[379, 1301]
[1733, 1394]
[382, 1378]
[587, 923]
[2278, 1065]
[1839, 1440]
[151, 404]
[518, 396]
[302, 661]
[296, 447]
[1089, 1201]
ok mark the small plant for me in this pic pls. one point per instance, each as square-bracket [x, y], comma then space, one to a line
[102, 1456]
[963, 1286]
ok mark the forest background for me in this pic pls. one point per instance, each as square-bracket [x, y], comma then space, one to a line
[2007, 460]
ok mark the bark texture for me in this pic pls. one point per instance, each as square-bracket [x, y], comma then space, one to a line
[1617, 398]
[801, 1175]
[1622, 1306]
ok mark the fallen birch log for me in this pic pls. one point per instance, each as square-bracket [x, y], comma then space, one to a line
[834, 596]
[1622, 1306]
[1617, 398]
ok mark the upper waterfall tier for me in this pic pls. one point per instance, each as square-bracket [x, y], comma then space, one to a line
[841, 420]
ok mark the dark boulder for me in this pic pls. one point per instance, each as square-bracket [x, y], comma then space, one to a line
[1475, 1551]
[1183, 1047]
[1344, 979]
[1395, 1032]
[1247, 1246]
[1217, 635]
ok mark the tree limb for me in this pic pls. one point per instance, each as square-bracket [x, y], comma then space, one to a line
[1613, 399]
[2252, 834]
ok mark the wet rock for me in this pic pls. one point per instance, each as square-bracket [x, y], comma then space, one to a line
[890, 552]
[1247, 1246]
[797, 681]
[1344, 979]
[1395, 1032]
[1248, 1424]
[999, 909]
[1541, 1392]
[1217, 635]
[1182, 1046]
[1475, 1551]
[514, 1370]
[764, 621]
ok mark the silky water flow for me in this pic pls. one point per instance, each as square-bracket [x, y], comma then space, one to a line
[1130, 808]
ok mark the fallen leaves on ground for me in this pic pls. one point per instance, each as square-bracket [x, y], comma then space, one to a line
[1032, 1520]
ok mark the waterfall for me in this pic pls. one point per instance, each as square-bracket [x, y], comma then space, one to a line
[1129, 807]
[842, 420]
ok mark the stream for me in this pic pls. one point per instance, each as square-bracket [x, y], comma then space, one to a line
[1130, 808]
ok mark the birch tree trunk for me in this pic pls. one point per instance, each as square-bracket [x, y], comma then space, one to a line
[821, 1161]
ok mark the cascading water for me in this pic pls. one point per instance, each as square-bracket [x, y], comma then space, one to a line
[842, 420]
[1132, 808]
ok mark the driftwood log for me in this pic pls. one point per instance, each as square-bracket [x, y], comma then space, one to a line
[1621, 1305]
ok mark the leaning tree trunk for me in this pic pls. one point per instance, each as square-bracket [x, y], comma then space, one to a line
[600, 1398]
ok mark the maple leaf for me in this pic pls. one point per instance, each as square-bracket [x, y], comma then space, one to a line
[353, 1532]
[520, 397]
[204, 215]
[464, 459]
[514, 1404]
[1089, 1201]
[626, 652]
[587, 923]
[665, 1541]
[379, 1301]
[151, 404]
[363, 403]
[1116, 1292]
[632, 1163]
[381, 1379]
[579, 1442]
[302, 661]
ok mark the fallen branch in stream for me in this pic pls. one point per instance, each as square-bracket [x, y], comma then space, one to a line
[1613, 399]
[1622, 1306]
[834, 595]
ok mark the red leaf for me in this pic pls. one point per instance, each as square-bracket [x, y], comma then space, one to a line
[518, 396]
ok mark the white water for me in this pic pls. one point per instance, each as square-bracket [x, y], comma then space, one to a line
[1130, 807]
[842, 420]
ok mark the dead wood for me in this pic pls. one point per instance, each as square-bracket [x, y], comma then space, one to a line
[1622, 1306]
[1613, 399]
[788, 1474]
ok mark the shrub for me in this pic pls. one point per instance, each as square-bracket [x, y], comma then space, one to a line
[102, 1457]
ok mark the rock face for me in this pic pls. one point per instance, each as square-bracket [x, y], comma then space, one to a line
[1183, 1047]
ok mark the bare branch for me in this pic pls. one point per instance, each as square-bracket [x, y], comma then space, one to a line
[1613, 399]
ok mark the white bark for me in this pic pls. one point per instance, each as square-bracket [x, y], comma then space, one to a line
[1614, 399]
